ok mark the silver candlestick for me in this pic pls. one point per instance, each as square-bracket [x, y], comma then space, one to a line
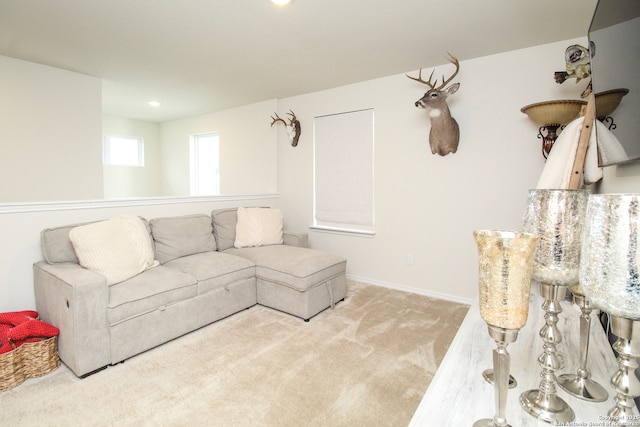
[581, 384]
[557, 217]
[500, 378]
[505, 261]
[489, 377]
[625, 381]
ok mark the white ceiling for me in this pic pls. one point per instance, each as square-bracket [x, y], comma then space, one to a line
[197, 56]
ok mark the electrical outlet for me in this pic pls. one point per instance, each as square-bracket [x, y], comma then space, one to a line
[409, 259]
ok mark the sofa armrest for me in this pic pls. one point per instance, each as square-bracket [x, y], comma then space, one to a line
[75, 300]
[293, 238]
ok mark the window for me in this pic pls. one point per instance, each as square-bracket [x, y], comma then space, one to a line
[343, 172]
[205, 164]
[123, 150]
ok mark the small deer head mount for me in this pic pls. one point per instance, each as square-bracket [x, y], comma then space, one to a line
[293, 127]
[445, 133]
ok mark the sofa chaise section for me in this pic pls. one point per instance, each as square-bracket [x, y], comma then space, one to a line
[290, 277]
[299, 281]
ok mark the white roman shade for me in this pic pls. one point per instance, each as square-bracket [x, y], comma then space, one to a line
[343, 171]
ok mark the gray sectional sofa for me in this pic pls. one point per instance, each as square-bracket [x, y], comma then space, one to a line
[197, 278]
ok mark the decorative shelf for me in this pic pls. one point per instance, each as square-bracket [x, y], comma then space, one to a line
[553, 112]
[551, 116]
[608, 101]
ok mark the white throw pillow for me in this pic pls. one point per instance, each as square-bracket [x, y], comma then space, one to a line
[118, 248]
[258, 227]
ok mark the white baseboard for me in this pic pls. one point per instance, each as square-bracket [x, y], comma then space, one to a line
[431, 294]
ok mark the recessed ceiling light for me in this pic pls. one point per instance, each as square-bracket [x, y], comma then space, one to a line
[281, 2]
[154, 104]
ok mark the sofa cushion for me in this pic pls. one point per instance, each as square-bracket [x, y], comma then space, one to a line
[224, 227]
[258, 227]
[178, 236]
[295, 267]
[149, 291]
[56, 246]
[214, 269]
[117, 248]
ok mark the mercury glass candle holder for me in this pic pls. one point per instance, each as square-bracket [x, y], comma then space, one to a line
[610, 277]
[557, 217]
[505, 262]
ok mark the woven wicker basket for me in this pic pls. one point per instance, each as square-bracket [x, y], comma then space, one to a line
[31, 359]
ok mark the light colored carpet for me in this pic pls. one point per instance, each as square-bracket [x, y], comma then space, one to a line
[366, 363]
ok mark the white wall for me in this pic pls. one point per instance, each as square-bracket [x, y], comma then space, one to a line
[248, 150]
[248, 153]
[49, 134]
[129, 181]
[428, 206]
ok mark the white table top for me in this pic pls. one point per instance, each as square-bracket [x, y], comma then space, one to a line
[458, 395]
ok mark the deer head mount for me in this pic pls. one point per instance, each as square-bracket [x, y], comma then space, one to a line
[293, 127]
[445, 133]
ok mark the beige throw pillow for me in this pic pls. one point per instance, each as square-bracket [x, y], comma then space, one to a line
[258, 227]
[118, 248]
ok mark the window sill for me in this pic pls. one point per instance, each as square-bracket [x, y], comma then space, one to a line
[343, 231]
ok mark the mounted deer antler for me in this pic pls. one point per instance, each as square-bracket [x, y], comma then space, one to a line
[444, 135]
[293, 127]
[277, 119]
